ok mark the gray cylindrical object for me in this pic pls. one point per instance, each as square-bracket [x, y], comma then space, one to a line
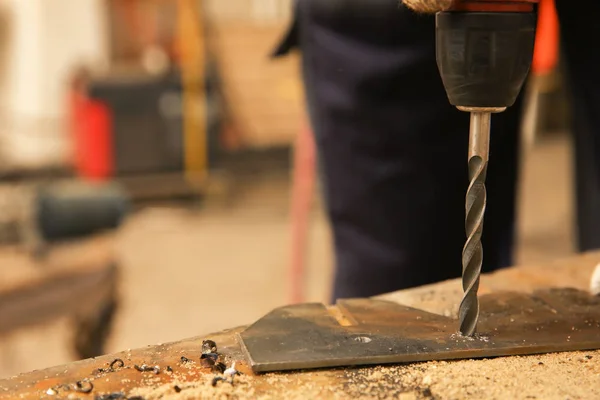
[76, 209]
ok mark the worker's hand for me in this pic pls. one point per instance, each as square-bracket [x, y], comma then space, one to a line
[428, 6]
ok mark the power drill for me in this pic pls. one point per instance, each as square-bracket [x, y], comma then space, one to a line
[484, 53]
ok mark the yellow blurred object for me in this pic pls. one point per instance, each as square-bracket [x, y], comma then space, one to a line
[192, 51]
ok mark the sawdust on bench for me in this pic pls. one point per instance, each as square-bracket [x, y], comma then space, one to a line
[560, 376]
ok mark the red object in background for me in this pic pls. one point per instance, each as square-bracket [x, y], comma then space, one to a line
[91, 125]
[545, 56]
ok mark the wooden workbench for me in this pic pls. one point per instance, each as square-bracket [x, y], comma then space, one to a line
[551, 376]
[76, 279]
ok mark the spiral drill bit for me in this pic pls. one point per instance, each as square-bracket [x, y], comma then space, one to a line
[476, 199]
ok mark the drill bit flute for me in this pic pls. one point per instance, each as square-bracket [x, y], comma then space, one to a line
[472, 259]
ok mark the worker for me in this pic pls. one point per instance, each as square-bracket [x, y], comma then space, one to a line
[392, 151]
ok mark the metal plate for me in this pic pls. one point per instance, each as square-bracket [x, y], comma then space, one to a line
[365, 331]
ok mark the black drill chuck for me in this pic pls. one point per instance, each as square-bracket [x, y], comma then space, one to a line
[484, 57]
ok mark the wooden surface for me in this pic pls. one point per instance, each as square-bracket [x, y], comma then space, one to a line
[73, 279]
[19, 269]
[443, 298]
[567, 375]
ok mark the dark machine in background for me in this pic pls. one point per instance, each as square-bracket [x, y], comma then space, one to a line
[155, 131]
[131, 128]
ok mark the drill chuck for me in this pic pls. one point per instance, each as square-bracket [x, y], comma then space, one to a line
[484, 57]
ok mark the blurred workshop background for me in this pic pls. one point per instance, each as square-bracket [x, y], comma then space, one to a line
[157, 175]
